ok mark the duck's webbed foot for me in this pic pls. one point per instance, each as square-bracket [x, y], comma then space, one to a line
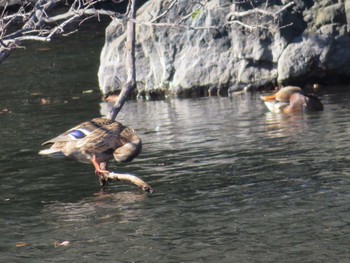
[102, 173]
[103, 181]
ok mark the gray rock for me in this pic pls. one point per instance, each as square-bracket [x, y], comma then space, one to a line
[314, 47]
[302, 58]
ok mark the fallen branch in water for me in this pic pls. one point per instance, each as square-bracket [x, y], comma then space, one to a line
[131, 179]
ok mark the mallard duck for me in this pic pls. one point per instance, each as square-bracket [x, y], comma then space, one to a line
[96, 141]
[292, 99]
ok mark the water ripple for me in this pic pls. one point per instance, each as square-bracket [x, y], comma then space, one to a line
[233, 183]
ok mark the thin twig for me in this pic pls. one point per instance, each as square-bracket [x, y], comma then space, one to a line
[175, 25]
[258, 11]
[165, 12]
[193, 12]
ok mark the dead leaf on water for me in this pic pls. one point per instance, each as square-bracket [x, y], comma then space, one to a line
[35, 93]
[45, 101]
[5, 111]
[62, 244]
[111, 98]
[44, 49]
[21, 245]
[88, 91]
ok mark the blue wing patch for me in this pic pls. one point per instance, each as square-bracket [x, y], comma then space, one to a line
[77, 134]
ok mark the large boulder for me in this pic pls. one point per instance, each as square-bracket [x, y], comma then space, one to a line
[308, 42]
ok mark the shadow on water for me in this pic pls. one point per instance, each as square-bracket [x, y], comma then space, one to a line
[233, 182]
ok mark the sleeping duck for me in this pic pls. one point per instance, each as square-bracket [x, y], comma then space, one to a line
[96, 141]
[292, 99]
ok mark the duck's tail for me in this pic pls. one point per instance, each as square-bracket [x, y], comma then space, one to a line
[52, 153]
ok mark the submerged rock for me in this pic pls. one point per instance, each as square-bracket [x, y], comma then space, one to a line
[308, 42]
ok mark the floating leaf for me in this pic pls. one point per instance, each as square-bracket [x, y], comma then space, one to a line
[5, 111]
[45, 101]
[88, 91]
[21, 245]
[111, 98]
[35, 94]
[62, 244]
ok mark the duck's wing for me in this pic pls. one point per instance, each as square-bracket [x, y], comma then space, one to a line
[285, 93]
[275, 106]
[105, 138]
[80, 131]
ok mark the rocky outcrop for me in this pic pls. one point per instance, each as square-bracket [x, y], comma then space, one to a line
[308, 43]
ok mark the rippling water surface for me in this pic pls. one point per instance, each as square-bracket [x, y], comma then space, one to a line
[233, 182]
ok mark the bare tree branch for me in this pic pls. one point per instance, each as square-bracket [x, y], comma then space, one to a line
[231, 17]
[201, 5]
[175, 25]
[39, 25]
[259, 11]
[130, 84]
[165, 12]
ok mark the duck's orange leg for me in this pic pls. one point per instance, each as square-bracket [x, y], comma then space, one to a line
[99, 171]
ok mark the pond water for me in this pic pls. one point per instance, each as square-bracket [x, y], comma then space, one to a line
[233, 182]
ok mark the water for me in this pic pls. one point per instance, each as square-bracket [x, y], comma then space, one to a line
[233, 182]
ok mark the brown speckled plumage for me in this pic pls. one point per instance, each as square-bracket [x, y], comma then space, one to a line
[98, 141]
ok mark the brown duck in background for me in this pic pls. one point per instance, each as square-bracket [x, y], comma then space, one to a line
[292, 99]
[97, 141]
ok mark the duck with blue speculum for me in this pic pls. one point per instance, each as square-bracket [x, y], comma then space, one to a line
[98, 141]
[291, 100]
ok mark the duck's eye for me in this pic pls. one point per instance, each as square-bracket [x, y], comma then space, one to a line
[77, 134]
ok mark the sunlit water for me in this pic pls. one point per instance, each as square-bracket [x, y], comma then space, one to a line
[233, 182]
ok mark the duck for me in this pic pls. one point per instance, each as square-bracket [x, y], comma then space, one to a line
[292, 99]
[96, 141]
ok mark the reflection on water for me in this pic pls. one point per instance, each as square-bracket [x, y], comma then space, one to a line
[103, 207]
[234, 183]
